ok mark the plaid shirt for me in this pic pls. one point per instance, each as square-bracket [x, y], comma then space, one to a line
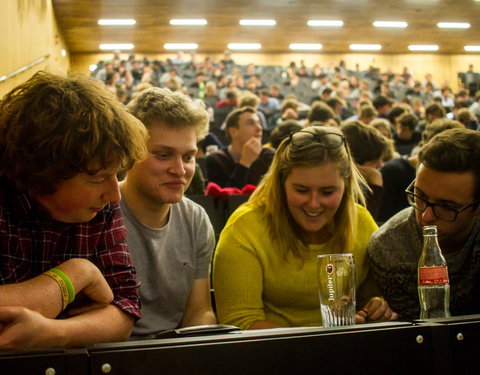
[32, 243]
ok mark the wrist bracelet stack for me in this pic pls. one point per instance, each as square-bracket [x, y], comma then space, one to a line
[65, 284]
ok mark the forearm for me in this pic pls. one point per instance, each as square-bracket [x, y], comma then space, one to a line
[107, 324]
[42, 293]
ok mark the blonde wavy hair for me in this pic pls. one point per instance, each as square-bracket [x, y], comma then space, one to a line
[287, 236]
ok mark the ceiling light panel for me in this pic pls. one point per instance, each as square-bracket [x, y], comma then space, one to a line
[325, 23]
[245, 46]
[306, 46]
[258, 22]
[188, 22]
[472, 48]
[180, 46]
[120, 46]
[117, 22]
[392, 24]
[453, 25]
[365, 47]
[423, 47]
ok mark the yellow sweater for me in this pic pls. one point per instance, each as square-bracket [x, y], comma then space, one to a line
[253, 282]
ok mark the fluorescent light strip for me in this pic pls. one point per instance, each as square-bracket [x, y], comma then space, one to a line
[180, 46]
[453, 25]
[118, 22]
[423, 47]
[472, 48]
[244, 46]
[188, 22]
[117, 46]
[365, 47]
[394, 24]
[327, 23]
[306, 46]
[258, 22]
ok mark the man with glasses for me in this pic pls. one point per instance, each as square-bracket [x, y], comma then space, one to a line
[445, 193]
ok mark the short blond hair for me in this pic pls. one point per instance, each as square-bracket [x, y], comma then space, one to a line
[175, 109]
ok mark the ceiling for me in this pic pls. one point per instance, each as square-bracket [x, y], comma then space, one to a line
[78, 21]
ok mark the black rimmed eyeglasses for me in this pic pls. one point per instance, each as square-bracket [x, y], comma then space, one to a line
[441, 211]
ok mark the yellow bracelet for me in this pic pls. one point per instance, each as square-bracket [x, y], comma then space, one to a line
[63, 287]
[68, 283]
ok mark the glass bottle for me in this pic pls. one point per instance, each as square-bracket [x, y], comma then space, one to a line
[433, 283]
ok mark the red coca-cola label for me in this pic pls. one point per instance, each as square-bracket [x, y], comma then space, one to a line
[432, 275]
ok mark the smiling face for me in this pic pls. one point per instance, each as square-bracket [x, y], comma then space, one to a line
[80, 198]
[168, 171]
[314, 195]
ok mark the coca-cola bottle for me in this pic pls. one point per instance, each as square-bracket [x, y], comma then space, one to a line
[433, 284]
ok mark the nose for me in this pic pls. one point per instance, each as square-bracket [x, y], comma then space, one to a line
[177, 167]
[313, 202]
[428, 217]
[258, 125]
[112, 194]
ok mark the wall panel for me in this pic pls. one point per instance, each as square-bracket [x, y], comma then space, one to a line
[29, 31]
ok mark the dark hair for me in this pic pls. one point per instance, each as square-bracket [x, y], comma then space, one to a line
[436, 110]
[381, 101]
[408, 120]
[320, 111]
[365, 142]
[282, 131]
[333, 102]
[454, 150]
[53, 127]
[394, 113]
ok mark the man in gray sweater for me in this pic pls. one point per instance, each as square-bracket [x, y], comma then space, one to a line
[445, 193]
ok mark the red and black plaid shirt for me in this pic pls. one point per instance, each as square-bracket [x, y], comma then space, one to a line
[31, 243]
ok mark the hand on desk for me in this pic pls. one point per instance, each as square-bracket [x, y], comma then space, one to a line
[22, 328]
[375, 311]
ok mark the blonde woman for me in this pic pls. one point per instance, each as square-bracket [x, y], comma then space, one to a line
[264, 268]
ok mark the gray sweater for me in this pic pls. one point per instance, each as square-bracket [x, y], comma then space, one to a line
[394, 250]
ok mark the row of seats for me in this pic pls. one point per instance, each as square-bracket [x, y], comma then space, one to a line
[219, 210]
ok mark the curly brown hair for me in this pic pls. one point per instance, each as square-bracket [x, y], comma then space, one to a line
[53, 127]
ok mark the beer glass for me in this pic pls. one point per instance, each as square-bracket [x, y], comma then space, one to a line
[336, 288]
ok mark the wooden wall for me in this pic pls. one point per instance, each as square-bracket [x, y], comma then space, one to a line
[28, 32]
[444, 68]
